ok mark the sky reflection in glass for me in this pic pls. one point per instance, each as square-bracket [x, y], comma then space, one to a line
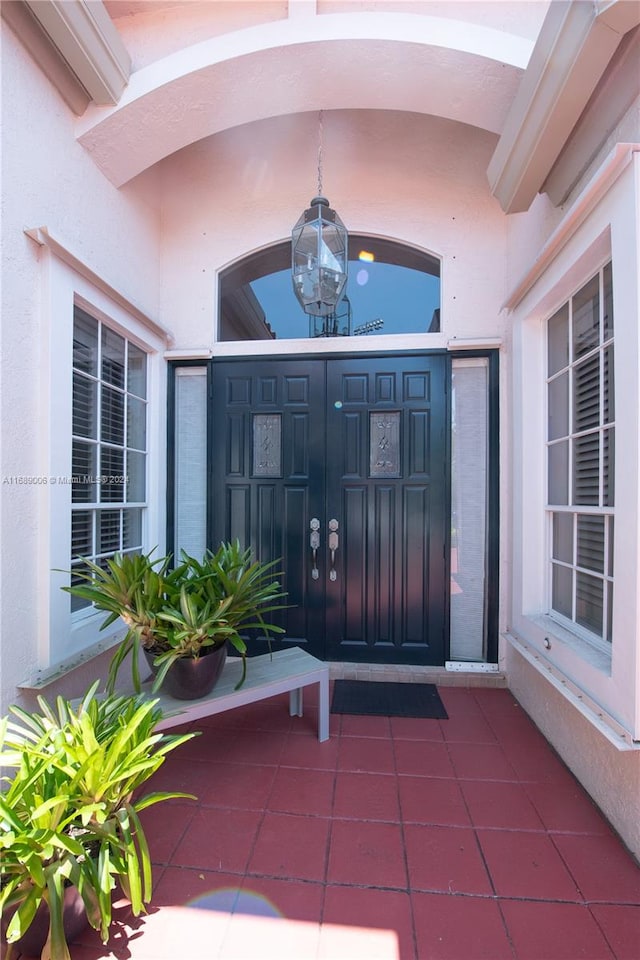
[403, 298]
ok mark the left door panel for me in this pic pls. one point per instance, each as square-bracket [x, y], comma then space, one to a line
[267, 450]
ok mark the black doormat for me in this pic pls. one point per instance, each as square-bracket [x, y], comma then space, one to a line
[381, 699]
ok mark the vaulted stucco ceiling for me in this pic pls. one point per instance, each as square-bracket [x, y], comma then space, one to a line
[466, 72]
[149, 79]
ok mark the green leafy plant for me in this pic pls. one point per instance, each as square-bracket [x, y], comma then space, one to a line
[185, 611]
[70, 813]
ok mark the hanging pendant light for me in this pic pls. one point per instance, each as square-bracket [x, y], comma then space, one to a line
[319, 250]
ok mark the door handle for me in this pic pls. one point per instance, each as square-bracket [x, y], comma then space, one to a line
[334, 542]
[314, 543]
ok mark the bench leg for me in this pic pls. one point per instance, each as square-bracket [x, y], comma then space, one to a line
[323, 707]
[295, 702]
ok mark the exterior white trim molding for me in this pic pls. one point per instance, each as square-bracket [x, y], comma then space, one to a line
[572, 52]
[86, 38]
[474, 343]
[186, 354]
[597, 716]
[617, 161]
[43, 237]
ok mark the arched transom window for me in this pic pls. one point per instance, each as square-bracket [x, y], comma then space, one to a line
[392, 289]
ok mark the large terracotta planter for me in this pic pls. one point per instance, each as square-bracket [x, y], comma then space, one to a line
[190, 679]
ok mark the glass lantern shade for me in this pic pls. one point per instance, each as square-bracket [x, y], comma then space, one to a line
[319, 258]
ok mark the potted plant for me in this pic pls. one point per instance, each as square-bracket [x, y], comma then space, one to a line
[183, 615]
[70, 813]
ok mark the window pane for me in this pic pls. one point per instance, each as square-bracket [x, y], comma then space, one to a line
[562, 590]
[611, 539]
[84, 406]
[586, 323]
[83, 472]
[589, 602]
[77, 603]
[559, 473]
[135, 477]
[608, 302]
[132, 528]
[558, 340]
[558, 407]
[586, 394]
[190, 477]
[81, 534]
[85, 343]
[563, 537]
[591, 542]
[609, 636]
[384, 444]
[136, 423]
[137, 371]
[112, 357]
[112, 416]
[391, 289]
[608, 466]
[586, 469]
[469, 481]
[108, 531]
[609, 407]
[111, 475]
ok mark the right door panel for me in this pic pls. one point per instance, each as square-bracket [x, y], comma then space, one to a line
[386, 488]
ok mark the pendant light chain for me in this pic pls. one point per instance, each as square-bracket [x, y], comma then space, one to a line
[320, 132]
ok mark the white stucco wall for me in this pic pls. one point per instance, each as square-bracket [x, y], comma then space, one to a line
[420, 180]
[48, 180]
[150, 35]
[610, 776]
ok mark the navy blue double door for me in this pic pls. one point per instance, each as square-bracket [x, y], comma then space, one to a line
[340, 467]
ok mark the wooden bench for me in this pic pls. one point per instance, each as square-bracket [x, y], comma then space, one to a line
[286, 671]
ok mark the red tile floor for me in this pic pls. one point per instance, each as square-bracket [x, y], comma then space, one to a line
[397, 839]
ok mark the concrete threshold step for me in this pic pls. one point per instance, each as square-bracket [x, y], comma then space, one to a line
[405, 673]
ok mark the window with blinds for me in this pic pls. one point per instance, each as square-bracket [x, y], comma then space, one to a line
[109, 444]
[580, 457]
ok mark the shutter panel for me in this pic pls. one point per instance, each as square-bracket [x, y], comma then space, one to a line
[84, 406]
[589, 602]
[586, 394]
[591, 542]
[586, 469]
[108, 531]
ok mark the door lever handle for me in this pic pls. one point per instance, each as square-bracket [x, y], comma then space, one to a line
[334, 542]
[314, 543]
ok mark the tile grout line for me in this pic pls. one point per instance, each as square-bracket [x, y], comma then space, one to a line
[403, 838]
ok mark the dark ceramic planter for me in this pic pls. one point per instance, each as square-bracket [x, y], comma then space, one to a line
[74, 921]
[190, 679]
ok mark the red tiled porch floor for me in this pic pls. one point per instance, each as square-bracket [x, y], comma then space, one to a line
[397, 839]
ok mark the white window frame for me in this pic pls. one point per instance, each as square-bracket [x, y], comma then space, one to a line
[602, 225]
[574, 509]
[65, 639]
[95, 507]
